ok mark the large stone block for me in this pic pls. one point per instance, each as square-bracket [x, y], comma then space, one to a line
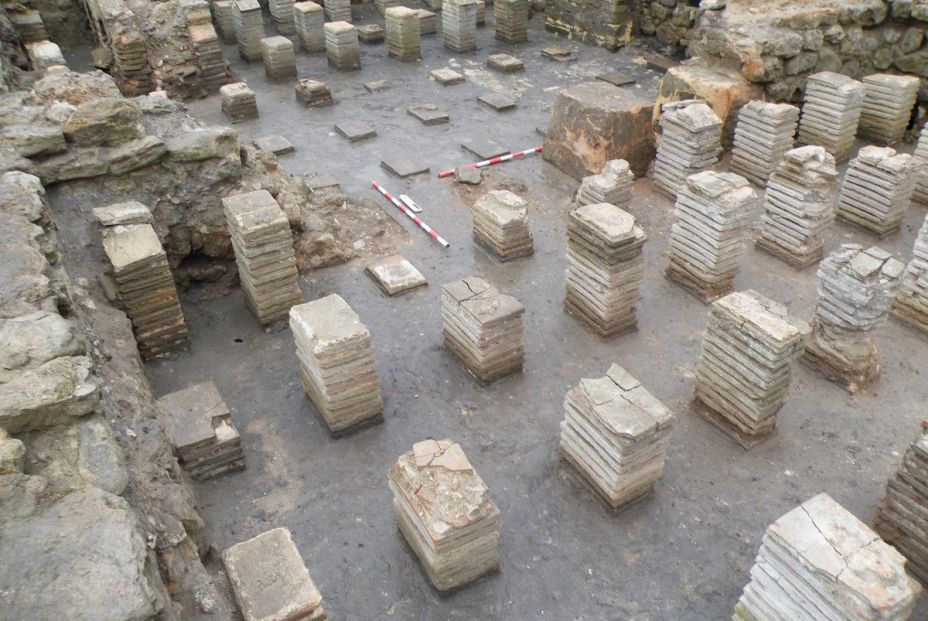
[105, 122]
[594, 122]
[724, 91]
[606, 23]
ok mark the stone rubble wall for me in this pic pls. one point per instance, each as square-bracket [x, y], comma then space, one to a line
[778, 44]
[667, 20]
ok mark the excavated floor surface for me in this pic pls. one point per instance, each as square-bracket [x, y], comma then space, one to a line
[683, 552]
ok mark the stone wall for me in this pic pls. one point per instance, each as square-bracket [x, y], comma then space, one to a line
[606, 23]
[667, 20]
[778, 43]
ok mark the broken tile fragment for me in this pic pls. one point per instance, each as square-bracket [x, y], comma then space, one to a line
[376, 86]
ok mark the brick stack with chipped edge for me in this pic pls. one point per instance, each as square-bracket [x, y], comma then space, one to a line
[224, 13]
[511, 20]
[444, 512]
[877, 190]
[605, 268]
[911, 305]
[313, 93]
[482, 328]
[341, 45]
[613, 185]
[745, 368]
[764, 133]
[856, 288]
[818, 561]
[887, 107]
[238, 101]
[264, 254]
[690, 143]
[279, 58]
[309, 19]
[337, 365]
[831, 112]
[145, 288]
[199, 426]
[338, 10]
[459, 25]
[902, 518]
[920, 195]
[270, 579]
[707, 239]
[799, 206]
[614, 437]
[501, 225]
[282, 16]
[403, 38]
[249, 28]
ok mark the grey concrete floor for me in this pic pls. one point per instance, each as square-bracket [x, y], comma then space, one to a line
[683, 553]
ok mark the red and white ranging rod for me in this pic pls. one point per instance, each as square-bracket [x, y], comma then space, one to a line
[494, 160]
[425, 227]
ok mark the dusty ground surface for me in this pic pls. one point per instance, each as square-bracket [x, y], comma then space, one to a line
[684, 552]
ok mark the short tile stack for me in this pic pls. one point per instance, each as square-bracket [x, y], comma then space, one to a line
[338, 10]
[911, 305]
[614, 436]
[855, 291]
[341, 45]
[798, 206]
[511, 17]
[428, 22]
[887, 107]
[604, 268]
[459, 25]
[213, 70]
[403, 38]
[690, 143]
[28, 24]
[444, 511]
[744, 373]
[282, 16]
[501, 225]
[613, 185]
[145, 288]
[383, 5]
[279, 58]
[820, 562]
[224, 12]
[309, 19]
[902, 518]
[920, 195]
[482, 328]
[270, 580]
[199, 426]
[481, 12]
[877, 190]
[249, 28]
[238, 101]
[764, 133]
[130, 58]
[337, 365]
[707, 240]
[313, 93]
[830, 113]
[264, 254]
[370, 33]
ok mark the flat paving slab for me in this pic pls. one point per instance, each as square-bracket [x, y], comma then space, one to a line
[318, 182]
[403, 165]
[355, 131]
[559, 53]
[429, 114]
[505, 63]
[446, 77]
[483, 148]
[376, 86]
[395, 275]
[615, 78]
[497, 101]
[278, 145]
[370, 33]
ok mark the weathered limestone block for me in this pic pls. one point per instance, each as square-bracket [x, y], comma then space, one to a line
[594, 122]
[32, 140]
[32, 340]
[83, 163]
[82, 556]
[606, 23]
[48, 395]
[723, 91]
[203, 144]
[24, 282]
[105, 122]
[12, 454]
